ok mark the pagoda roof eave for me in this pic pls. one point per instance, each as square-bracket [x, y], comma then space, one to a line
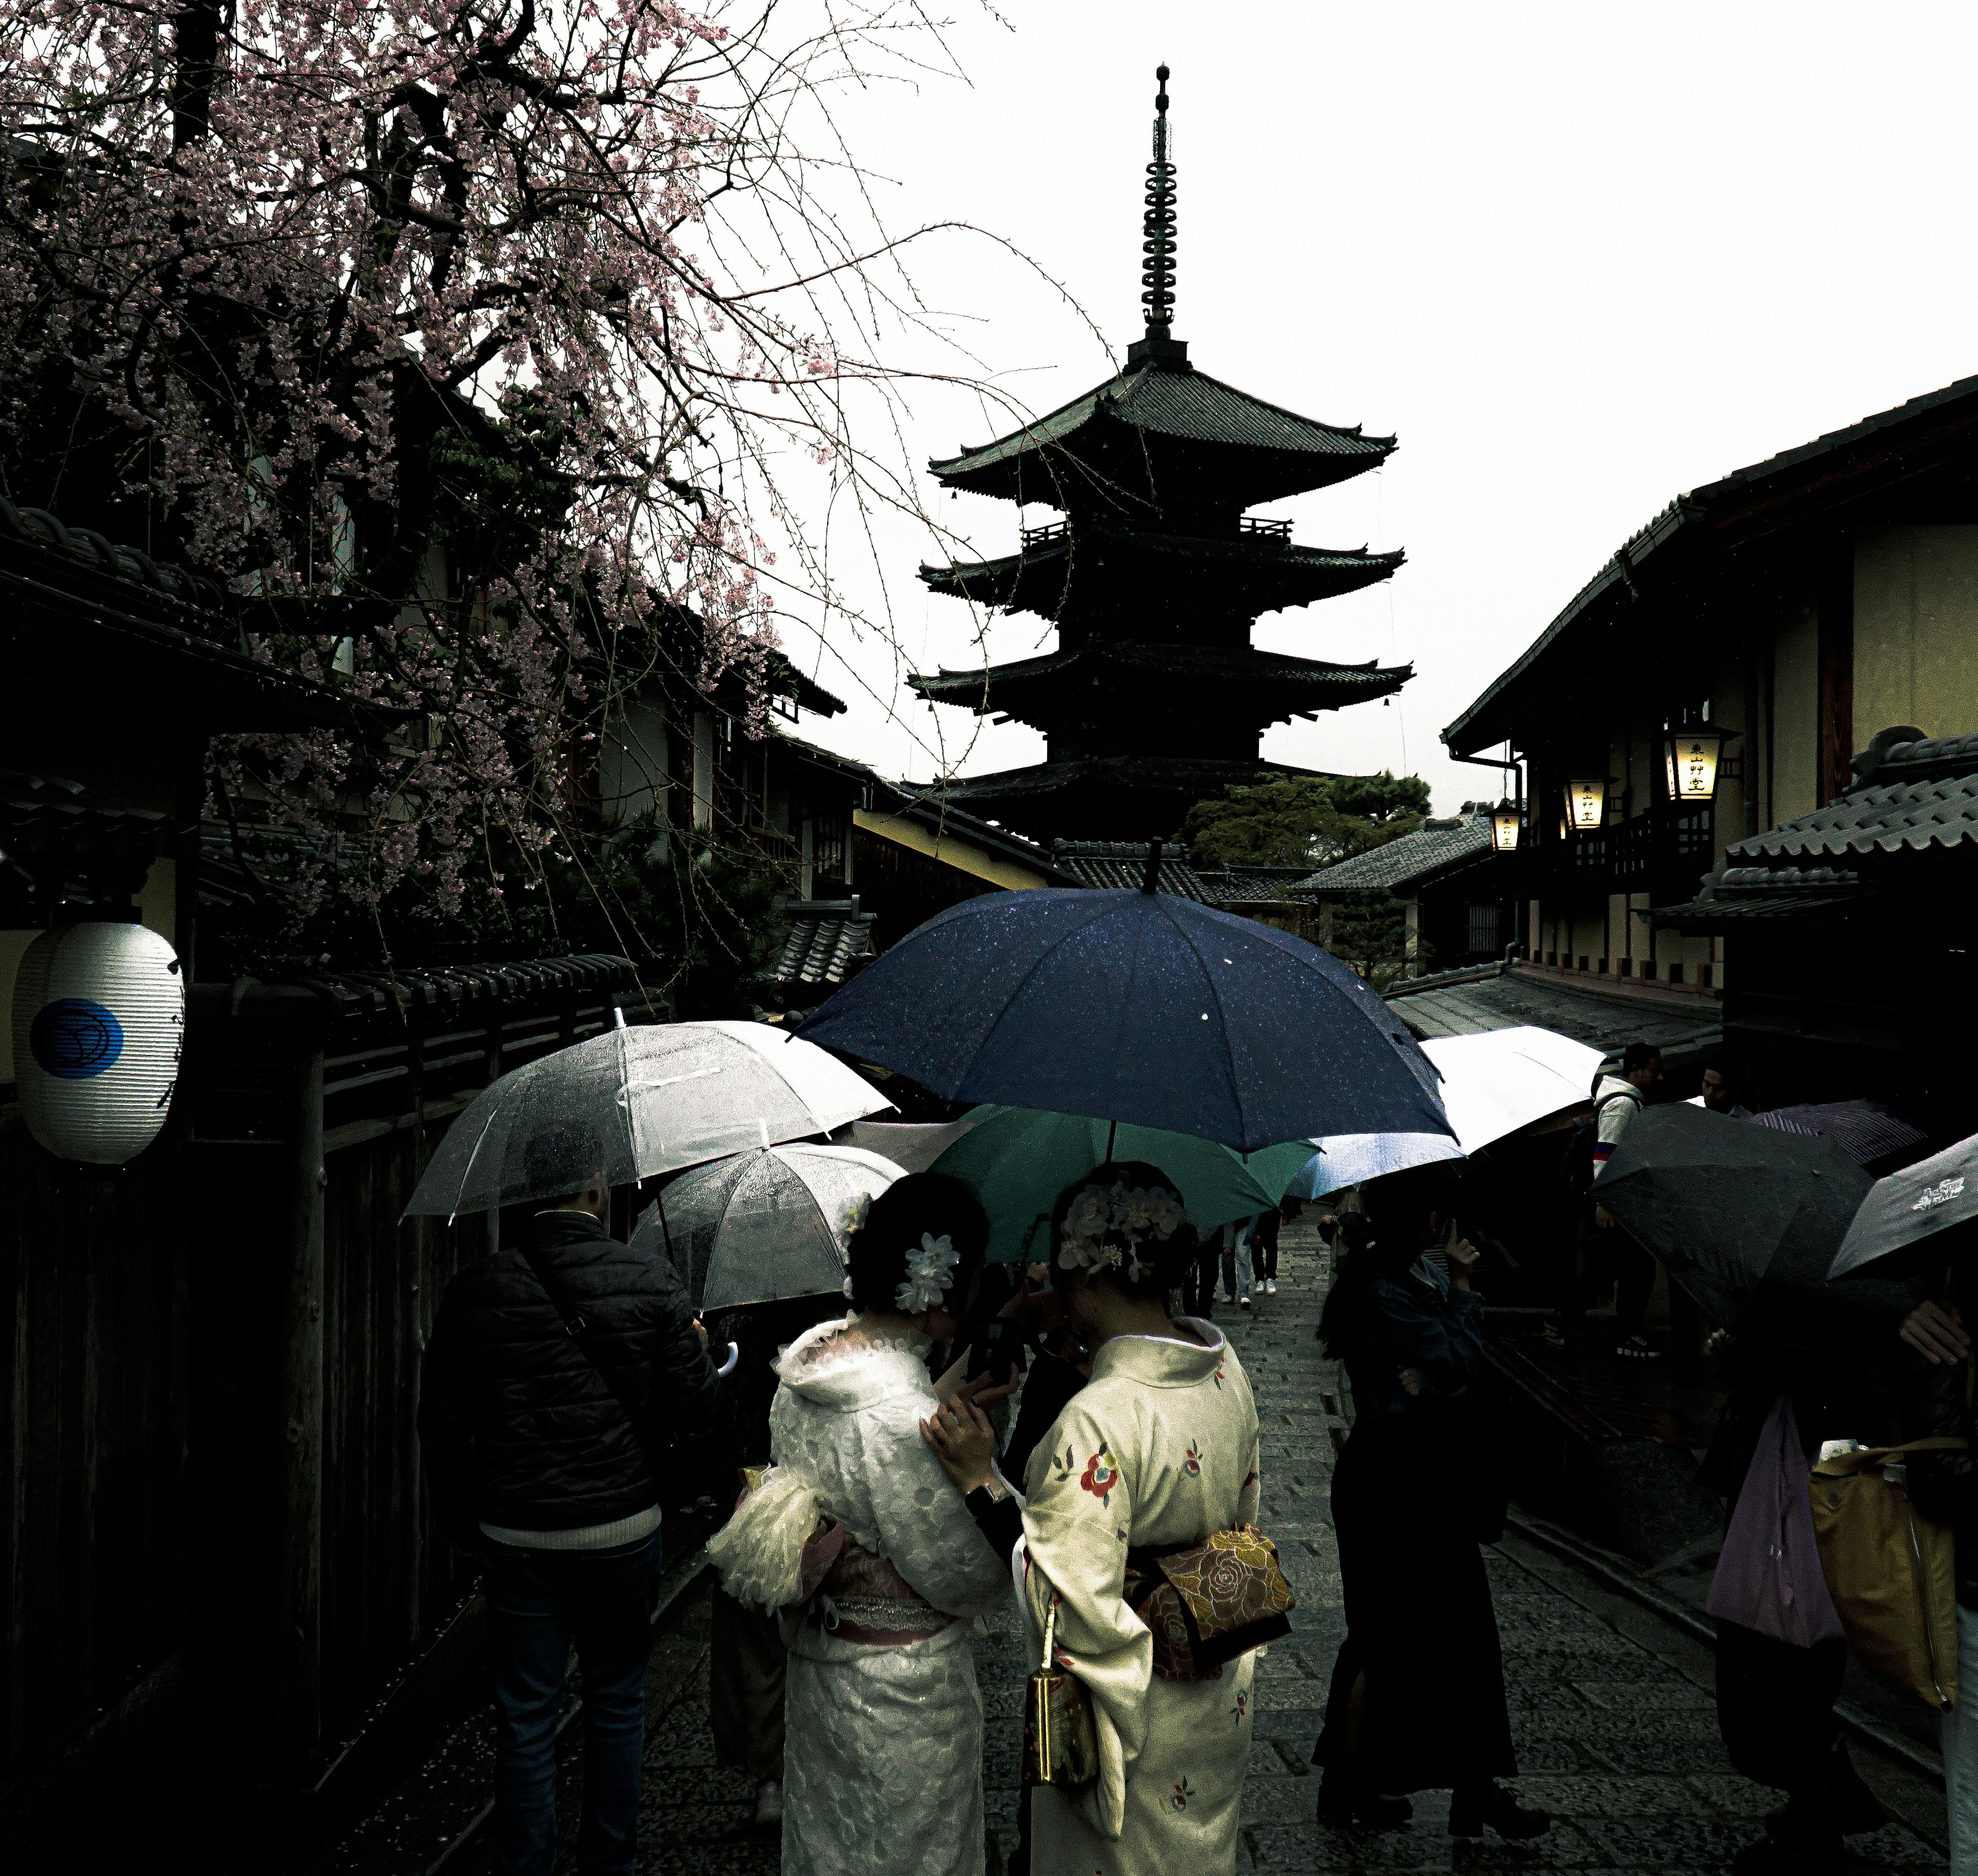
[1286, 574]
[1156, 400]
[1108, 784]
[1317, 684]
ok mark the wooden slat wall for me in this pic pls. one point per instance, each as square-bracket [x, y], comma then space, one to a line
[161, 1394]
[388, 1572]
[92, 1436]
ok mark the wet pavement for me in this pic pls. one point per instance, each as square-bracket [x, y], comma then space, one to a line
[1612, 1708]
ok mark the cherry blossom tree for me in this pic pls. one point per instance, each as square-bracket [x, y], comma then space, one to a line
[470, 340]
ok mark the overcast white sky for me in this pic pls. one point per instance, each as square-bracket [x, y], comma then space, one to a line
[1578, 257]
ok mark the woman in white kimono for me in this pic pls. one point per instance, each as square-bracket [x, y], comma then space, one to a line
[1156, 1452]
[882, 1719]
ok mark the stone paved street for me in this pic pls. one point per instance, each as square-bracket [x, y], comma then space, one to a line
[1616, 1729]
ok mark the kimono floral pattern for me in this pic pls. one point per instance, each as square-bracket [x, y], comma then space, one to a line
[1155, 1446]
[1101, 1475]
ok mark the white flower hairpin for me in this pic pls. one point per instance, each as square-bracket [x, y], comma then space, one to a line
[854, 1215]
[930, 1271]
[1106, 1229]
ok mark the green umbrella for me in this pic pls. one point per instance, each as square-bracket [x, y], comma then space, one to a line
[1019, 1160]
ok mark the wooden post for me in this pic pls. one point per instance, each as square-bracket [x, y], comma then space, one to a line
[297, 1714]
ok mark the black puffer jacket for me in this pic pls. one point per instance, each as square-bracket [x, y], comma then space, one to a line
[517, 1428]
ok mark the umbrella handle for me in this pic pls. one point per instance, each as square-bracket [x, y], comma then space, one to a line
[734, 1355]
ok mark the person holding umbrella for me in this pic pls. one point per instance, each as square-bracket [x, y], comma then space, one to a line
[548, 1366]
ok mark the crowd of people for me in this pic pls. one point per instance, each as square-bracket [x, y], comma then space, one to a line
[896, 1493]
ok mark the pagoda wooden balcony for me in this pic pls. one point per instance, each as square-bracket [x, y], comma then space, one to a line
[1249, 526]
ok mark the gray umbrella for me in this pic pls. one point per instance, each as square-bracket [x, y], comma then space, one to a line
[633, 1103]
[763, 1224]
[1747, 1219]
[1915, 1203]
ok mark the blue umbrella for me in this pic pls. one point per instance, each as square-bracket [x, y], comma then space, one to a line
[1349, 1159]
[1136, 1007]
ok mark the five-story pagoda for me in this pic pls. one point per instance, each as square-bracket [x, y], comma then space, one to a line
[1156, 698]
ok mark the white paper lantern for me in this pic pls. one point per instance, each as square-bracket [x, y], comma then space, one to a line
[99, 1018]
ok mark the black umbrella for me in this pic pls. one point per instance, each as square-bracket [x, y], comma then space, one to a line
[1867, 1129]
[1748, 1220]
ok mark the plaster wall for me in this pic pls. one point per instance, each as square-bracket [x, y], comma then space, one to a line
[1796, 725]
[632, 762]
[1916, 630]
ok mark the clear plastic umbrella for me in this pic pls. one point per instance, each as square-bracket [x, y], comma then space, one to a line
[634, 1102]
[763, 1224]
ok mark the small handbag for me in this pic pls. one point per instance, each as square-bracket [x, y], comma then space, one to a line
[1060, 1742]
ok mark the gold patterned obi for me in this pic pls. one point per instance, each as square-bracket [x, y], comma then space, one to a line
[1208, 1603]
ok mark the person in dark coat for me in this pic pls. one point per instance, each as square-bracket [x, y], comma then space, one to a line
[1417, 1694]
[536, 1465]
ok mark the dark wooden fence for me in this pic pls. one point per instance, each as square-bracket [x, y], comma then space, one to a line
[210, 1385]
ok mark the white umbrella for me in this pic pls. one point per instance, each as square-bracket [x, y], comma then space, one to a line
[912, 1145]
[1499, 1080]
[1493, 1083]
[1912, 1205]
[763, 1224]
[633, 1103]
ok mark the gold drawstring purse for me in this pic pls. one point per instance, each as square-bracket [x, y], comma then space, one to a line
[1060, 1743]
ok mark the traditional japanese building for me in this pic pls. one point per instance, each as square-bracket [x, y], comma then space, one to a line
[1154, 697]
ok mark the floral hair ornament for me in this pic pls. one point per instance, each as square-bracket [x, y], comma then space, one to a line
[1106, 1229]
[930, 1271]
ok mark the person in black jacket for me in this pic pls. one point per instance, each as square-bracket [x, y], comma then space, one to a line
[527, 1430]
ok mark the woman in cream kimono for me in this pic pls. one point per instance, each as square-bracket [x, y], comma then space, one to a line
[1158, 1449]
[883, 1720]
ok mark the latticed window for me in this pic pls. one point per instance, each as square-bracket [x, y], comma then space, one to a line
[1483, 928]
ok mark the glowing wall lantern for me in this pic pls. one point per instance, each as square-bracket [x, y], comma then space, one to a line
[1689, 760]
[99, 1016]
[1504, 820]
[1587, 803]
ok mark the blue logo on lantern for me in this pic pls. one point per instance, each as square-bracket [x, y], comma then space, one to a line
[73, 1039]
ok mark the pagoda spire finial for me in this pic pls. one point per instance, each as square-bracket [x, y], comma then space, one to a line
[1157, 246]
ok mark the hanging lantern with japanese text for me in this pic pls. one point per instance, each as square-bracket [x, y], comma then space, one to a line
[1689, 761]
[1587, 803]
[1505, 820]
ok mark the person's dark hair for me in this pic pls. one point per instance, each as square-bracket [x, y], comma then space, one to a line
[1638, 1055]
[933, 1205]
[561, 1160]
[1163, 1261]
[1392, 1229]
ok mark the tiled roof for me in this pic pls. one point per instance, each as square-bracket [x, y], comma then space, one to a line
[1307, 684]
[1462, 1003]
[1188, 403]
[1109, 864]
[1920, 795]
[1433, 846]
[1233, 886]
[78, 610]
[1741, 896]
[826, 936]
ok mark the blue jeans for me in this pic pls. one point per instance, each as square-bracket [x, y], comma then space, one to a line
[538, 1603]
